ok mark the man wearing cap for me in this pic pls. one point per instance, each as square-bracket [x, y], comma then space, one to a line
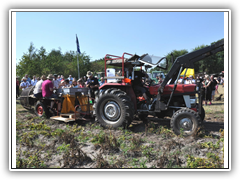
[92, 83]
[25, 84]
[191, 80]
[28, 78]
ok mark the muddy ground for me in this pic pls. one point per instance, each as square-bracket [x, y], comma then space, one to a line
[46, 143]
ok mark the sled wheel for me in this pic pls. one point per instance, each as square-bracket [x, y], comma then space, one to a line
[40, 109]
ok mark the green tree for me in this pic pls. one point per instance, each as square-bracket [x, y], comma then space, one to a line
[175, 53]
[39, 62]
[29, 63]
[211, 64]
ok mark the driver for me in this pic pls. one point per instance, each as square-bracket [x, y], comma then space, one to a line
[138, 85]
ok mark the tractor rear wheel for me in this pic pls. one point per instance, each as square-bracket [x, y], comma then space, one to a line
[185, 121]
[113, 108]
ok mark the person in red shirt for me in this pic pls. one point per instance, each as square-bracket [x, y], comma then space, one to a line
[81, 83]
[17, 86]
[47, 87]
[47, 91]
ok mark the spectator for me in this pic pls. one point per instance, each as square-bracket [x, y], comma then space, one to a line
[59, 78]
[191, 80]
[38, 87]
[81, 83]
[74, 83]
[55, 82]
[62, 78]
[25, 84]
[34, 81]
[17, 86]
[187, 81]
[198, 81]
[203, 89]
[92, 84]
[47, 92]
[213, 86]
[47, 87]
[84, 79]
[101, 81]
[180, 80]
[208, 90]
[219, 79]
[62, 84]
[28, 79]
[216, 87]
[70, 79]
[160, 80]
[67, 84]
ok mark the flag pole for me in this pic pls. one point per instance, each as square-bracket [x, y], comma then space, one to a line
[78, 67]
[78, 51]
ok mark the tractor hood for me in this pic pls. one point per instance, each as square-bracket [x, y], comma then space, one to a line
[180, 89]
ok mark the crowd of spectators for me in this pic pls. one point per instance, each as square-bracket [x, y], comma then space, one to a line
[210, 87]
[209, 84]
[57, 81]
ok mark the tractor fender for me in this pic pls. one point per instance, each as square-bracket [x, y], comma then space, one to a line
[126, 87]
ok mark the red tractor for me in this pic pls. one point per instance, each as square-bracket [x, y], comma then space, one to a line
[118, 101]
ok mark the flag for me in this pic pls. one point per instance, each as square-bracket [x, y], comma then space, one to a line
[78, 49]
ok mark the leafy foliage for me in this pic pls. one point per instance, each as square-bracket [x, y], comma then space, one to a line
[39, 62]
[210, 65]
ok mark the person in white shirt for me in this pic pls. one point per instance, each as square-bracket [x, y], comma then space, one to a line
[34, 81]
[59, 78]
[191, 80]
[56, 82]
[37, 92]
[70, 79]
[25, 84]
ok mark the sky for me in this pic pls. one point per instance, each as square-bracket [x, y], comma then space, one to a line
[100, 33]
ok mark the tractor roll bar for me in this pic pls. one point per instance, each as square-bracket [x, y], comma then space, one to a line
[109, 57]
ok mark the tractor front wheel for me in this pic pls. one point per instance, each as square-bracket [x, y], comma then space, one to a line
[185, 121]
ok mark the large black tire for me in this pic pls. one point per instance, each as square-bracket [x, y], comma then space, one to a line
[113, 108]
[203, 112]
[40, 109]
[185, 121]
